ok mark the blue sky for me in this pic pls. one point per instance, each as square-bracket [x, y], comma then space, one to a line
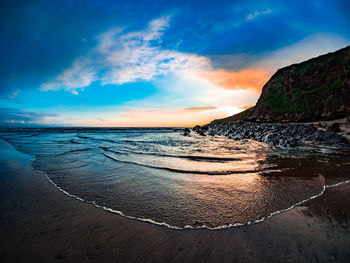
[152, 63]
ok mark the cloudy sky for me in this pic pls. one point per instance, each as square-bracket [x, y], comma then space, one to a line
[152, 63]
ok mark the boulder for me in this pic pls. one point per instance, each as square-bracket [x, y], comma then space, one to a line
[335, 127]
[187, 132]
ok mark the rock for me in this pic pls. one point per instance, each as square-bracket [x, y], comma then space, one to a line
[205, 127]
[335, 127]
[187, 132]
[201, 133]
[196, 128]
[200, 130]
[286, 135]
[104, 148]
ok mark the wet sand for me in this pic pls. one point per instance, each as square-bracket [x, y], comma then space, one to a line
[38, 223]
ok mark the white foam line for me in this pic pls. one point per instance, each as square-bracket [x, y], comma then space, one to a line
[54, 184]
[337, 184]
[146, 220]
[188, 226]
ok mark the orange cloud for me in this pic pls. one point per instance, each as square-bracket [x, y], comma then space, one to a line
[200, 108]
[246, 107]
[244, 79]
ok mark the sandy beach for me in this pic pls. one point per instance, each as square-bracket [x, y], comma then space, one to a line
[41, 224]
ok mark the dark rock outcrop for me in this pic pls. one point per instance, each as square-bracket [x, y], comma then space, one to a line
[335, 127]
[200, 130]
[279, 135]
[187, 132]
[283, 135]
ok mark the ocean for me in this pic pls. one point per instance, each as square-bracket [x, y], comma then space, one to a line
[159, 176]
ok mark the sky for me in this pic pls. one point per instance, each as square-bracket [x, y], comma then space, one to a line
[152, 63]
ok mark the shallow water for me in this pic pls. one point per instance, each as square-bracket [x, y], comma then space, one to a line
[158, 175]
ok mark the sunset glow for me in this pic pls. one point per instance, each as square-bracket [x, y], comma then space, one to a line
[125, 67]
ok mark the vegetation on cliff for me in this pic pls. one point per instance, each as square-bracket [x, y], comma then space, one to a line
[300, 100]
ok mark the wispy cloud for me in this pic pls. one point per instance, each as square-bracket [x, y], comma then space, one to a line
[311, 46]
[81, 74]
[306, 48]
[14, 94]
[200, 108]
[101, 119]
[122, 57]
[18, 116]
[258, 13]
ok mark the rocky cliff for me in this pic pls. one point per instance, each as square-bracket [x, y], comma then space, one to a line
[317, 89]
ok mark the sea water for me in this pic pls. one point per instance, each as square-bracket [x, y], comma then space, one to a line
[158, 175]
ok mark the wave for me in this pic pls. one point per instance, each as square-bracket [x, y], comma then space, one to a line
[139, 141]
[72, 151]
[190, 157]
[75, 142]
[96, 139]
[107, 149]
[22, 135]
[83, 137]
[155, 142]
[227, 172]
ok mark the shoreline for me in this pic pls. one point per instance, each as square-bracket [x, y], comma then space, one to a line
[188, 227]
[36, 217]
[164, 224]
